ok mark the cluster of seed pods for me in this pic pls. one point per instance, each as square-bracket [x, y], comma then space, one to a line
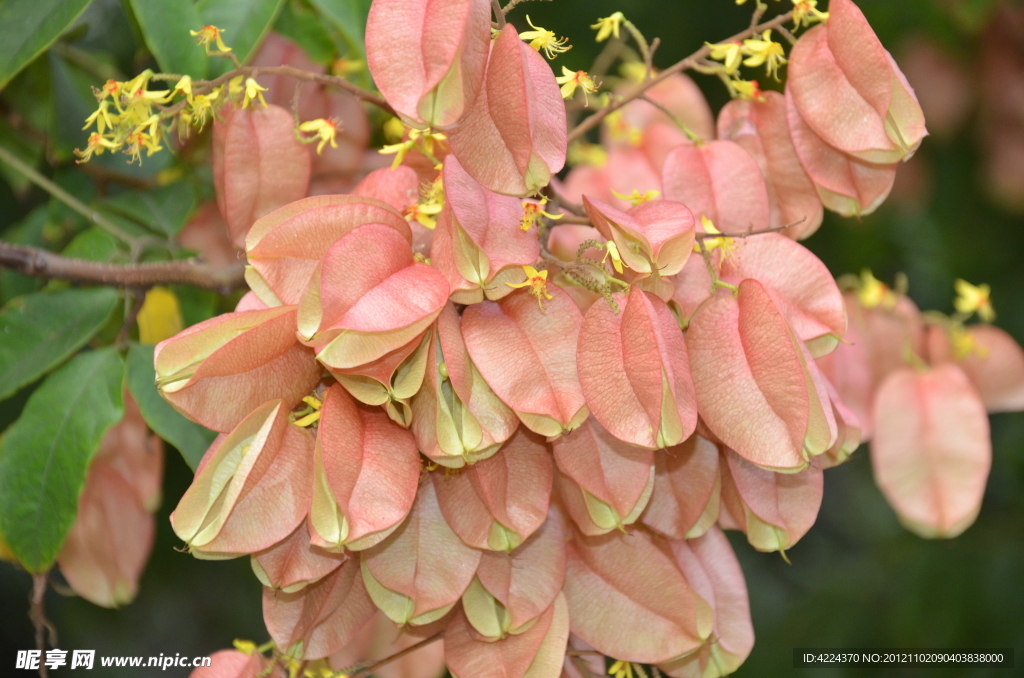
[533, 444]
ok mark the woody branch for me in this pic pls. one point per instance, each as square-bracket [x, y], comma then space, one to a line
[39, 263]
[689, 62]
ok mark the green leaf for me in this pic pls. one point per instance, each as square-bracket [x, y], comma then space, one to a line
[40, 330]
[24, 149]
[164, 209]
[348, 17]
[244, 22]
[45, 454]
[29, 232]
[192, 440]
[29, 27]
[165, 27]
[302, 25]
[94, 245]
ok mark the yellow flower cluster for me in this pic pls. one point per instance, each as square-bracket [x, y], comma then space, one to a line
[752, 52]
[133, 118]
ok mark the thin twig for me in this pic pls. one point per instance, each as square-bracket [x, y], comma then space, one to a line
[595, 119]
[71, 201]
[133, 304]
[508, 8]
[37, 613]
[39, 263]
[759, 11]
[364, 673]
[786, 34]
[499, 14]
[649, 60]
[750, 231]
[207, 86]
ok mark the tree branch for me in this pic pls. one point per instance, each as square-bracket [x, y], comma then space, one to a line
[365, 673]
[595, 119]
[37, 613]
[39, 263]
[207, 86]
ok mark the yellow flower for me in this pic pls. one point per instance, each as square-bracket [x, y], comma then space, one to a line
[726, 245]
[636, 197]
[202, 107]
[537, 281]
[96, 145]
[423, 213]
[974, 298]
[326, 131]
[620, 129]
[345, 67]
[253, 91]
[545, 41]
[570, 80]
[245, 646]
[764, 50]
[394, 130]
[634, 71]
[964, 345]
[806, 12]
[185, 87]
[612, 250]
[110, 88]
[532, 211]
[101, 116]
[137, 141]
[400, 150]
[747, 90]
[729, 53]
[583, 153]
[208, 35]
[621, 669]
[235, 86]
[873, 293]
[309, 415]
[608, 26]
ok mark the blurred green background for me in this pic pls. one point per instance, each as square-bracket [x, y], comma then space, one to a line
[857, 579]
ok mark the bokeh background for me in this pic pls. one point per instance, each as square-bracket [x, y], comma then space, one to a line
[858, 578]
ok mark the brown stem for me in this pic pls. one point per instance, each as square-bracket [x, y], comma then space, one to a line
[134, 304]
[509, 6]
[37, 613]
[594, 119]
[499, 14]
[749, 232]
[205, 87]
[364, 673]
[39, 263]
